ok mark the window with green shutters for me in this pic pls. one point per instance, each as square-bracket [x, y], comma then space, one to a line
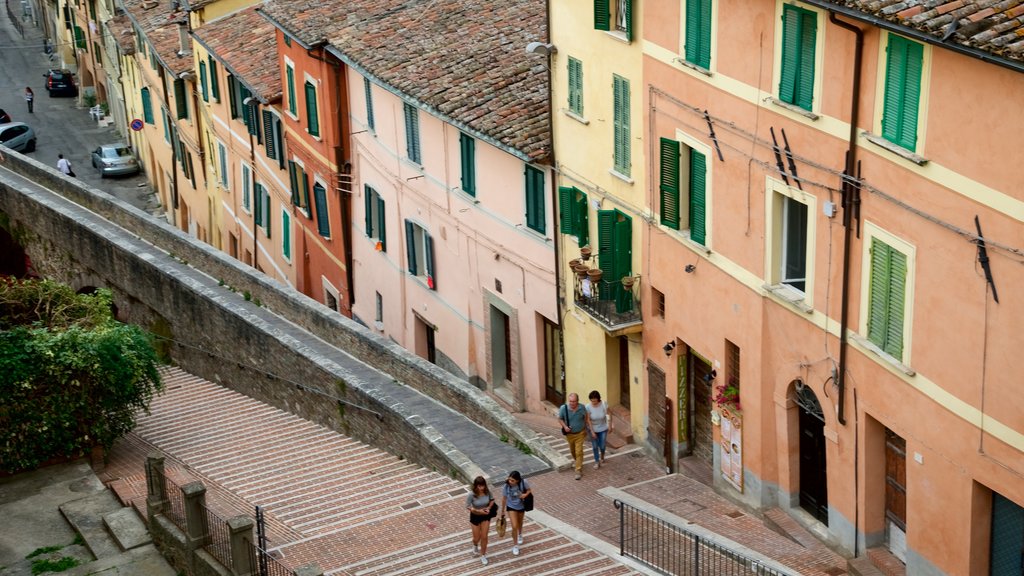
[573, 213]
[214, 81]
[621, 121]
[147, 106]
[368, 92]
[323, 218]
[903, 68]
[273, 137]
[203, 89]
[575, 86]
[180, 100]
[614, 15]
[535, 209]
[682, 188]
[262, 213]
[615, 257]
[289, 73]
[286, 235]
[299, 185]
[222, 155]
[246, 188]
[312, 116]
[375, 221]
[887, 298]
[412, 132]
[419, 249]
[799, 37]
[697, 47]
[80, 38]
[467, 152]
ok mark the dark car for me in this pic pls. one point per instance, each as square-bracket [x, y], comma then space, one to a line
[4, 116]
[18, 136]
[60, 83]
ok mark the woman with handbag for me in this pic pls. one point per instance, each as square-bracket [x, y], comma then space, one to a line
[482, 508]
[518, 498]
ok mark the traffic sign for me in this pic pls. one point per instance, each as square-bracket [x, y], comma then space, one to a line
[136, 124]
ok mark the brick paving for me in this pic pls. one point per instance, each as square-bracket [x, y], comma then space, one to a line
[354, 510]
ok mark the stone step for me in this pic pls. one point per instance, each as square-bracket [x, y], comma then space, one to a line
[781, 522]
[127, 528]
[86, 517]
[886, 562]
[143, 560]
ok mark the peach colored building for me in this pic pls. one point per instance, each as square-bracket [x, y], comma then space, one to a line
[831, 345]
[452, 215]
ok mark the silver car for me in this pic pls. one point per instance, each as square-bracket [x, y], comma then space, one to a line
[114, 160]
[18, 136]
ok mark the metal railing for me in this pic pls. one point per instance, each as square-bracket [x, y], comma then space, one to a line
[176, 509]
[672, 549]
[219, 541]
[265, 564]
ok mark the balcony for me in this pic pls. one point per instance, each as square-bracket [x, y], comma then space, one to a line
[613, 303]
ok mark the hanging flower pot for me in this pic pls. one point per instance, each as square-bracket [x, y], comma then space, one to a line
[582, 271]
[595, 274]
[574, 263]
[585, 253]
[628, 281]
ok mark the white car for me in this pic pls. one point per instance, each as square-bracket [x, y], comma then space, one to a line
[18, 136]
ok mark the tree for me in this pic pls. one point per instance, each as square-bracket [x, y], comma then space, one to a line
[71, 376]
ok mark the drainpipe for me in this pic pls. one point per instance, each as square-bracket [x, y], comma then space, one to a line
[851, 208]
[555, 221]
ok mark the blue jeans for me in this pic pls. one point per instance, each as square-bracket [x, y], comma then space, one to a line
[597, 445]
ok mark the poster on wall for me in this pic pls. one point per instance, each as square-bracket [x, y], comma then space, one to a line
[732, 448]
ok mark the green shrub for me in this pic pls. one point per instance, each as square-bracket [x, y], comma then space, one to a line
[61, 564]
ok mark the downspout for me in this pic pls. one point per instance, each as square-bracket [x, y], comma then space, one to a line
[851, 208]
[555, 221]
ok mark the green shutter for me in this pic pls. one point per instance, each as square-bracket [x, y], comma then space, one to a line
[312, 119]
[628, 17]
[304, 182]
[808, 46]
[382, 232]
[467, 151]
[623, 262]
[231, 96]
[878, 292]
[799, 33]
[410, 246]
[79, 38]
[581, 222]
[698, 32]
[897, 298]
[202, 81]
[257, 211]
[705, 34]
[412, 132]
[535, 216]
[286, 235]
[290, 74]
[698, 193]
[368, 208]
[606, 251]
[179, 98]
[268, 129]
[147, 106]
[323, 219]
[902, 91]
[214, 81]
[621, 120]
[602, 15]
[575, 86]
[266, 209]
[566, 199]
[293, 180]
[368, 89]
[669, 163]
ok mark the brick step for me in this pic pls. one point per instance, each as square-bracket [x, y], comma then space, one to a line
[886, 562]
[781, 522]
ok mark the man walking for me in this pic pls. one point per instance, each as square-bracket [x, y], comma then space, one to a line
[573, 419]
[64, 165]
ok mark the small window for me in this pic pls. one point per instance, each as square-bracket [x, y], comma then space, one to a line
[312, 117]
[535, 201]
[887, 298]
[286, 235]
[379, 317]
[214, 81]
[420, 253]
[683, 173]
[614, 15]
[262, 215]
[573, 213]
[368, 91]
[147, 106]
[412, 133]
[467, 149]
[622, 131]
[799, 37]
[575, 86]
[323, 217]
[273, 140]
[246, 188]
[697, 38]
[222, 155]
[375, 217]
[203, 89]
[289, 72]
[903, 69]
[299, 185]
[180, 99]
[657, 303]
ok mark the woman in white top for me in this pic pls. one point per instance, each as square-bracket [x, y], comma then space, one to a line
[600, 426]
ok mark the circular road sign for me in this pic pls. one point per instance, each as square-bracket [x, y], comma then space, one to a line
[136, 124]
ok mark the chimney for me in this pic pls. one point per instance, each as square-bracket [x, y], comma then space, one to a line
[184, 43]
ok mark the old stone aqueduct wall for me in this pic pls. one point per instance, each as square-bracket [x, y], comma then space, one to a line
[175, 291]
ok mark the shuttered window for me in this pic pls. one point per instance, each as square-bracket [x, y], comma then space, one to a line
[214, 81]
[575, 86]
[375, 217]
[683, 185]
[698, 195]
[573, 213]
[323, 220]
[147, 106]
[312, 117]
[467, 153]
[621, 120]
[697, 49]
[268, 129]
[615, 256]
[262, 213]
[535, 209]
[286, 235]
[203, 89]
[419, 248]
[904, 64]
[299, 181]
[289, 73]
[412, 133]
[222, 154]
[887, 298]
[368, 91]
[246, 188]
[180, 100]
[669, 186]
[799, 37]
[614, 15]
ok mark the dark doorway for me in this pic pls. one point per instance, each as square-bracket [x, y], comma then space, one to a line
[424, 339]
[896, 494]
[813, 473]
[624, 372]
[554, 383]
[1007, 548]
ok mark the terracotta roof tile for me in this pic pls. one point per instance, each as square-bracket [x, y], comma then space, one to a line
[246, 44]
[159, 24]
[120, 28]
[463, 59]
[993, 26]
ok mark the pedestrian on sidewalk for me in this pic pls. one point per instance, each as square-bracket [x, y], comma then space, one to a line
[600, 426]
[574, 421]
[29, 97]
[514, 494]
[64, 165]
[482, 509]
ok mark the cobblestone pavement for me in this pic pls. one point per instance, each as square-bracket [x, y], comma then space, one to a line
[352, 509]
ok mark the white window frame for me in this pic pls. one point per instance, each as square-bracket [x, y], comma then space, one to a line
[871, 231]
[223, 166]
[286, 235]
[289, 64]
[247, 188]
[775, 239]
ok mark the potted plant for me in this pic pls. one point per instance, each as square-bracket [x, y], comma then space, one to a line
[585, 253]
[728, 394]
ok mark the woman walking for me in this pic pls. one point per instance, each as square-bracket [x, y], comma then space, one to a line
[29, 97]
[482, 509]
[515, 491]
[600, 426]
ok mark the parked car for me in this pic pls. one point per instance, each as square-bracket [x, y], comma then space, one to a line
[18, 136]
[4, 116]
[60, 83]
[114, 160]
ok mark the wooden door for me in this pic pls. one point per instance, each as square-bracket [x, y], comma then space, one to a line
[896, 494]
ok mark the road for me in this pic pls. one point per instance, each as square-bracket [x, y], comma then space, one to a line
[62, 124]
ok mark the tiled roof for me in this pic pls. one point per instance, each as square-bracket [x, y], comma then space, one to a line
[464, 60]
[992, 26]
[121, 30]
[246, 44]
[160, 26]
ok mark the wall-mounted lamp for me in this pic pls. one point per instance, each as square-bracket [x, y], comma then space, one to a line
[690, 268]
[669, 347]
[709, 377]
